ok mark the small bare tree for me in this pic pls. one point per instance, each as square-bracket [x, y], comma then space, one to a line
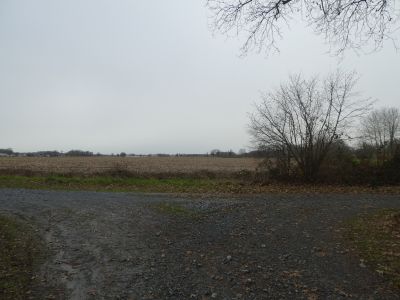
[305, 117]
[381, 128]
[344, 23]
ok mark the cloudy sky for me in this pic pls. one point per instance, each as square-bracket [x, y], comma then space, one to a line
[148, 76]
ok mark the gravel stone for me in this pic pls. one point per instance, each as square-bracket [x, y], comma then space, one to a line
[118, 246]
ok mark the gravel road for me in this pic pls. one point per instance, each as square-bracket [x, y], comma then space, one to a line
[148, 246]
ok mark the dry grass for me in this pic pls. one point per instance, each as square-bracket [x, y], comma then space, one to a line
[376, 238]
[133, 165]
[20, 253]
[197, 175]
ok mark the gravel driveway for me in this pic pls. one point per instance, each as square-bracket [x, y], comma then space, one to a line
[147, 246]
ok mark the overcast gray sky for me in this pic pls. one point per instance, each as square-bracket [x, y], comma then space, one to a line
[147, 76]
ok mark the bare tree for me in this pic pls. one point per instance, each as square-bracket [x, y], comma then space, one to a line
[305, 117]
[343, 23]
[381, 128]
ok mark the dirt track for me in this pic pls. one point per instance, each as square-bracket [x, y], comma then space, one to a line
[133, 246]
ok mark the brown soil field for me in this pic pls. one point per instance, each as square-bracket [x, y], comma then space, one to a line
[134, 165]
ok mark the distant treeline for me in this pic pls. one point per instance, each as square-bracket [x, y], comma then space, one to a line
[81, 153]
[10, 152]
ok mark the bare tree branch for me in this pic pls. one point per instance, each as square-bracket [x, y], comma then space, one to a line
[343, 23]
[306, 117]
[381, 129]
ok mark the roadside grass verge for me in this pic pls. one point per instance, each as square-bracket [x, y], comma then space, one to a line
[20, 254]
[116, 183]
[177, 183]
[376, 239]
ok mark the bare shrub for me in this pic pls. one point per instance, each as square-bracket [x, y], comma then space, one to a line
[305, 117]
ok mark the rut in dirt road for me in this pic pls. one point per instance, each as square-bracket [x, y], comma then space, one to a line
[134, 246]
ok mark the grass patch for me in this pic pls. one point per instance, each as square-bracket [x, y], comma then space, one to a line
[180, 184]
[19, 255]
[117, 184]
[175, 209]
[376, 239]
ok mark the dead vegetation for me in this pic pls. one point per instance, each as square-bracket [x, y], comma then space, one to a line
[187, 175]
[20, 252]
[376, 238]
[133, 166]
